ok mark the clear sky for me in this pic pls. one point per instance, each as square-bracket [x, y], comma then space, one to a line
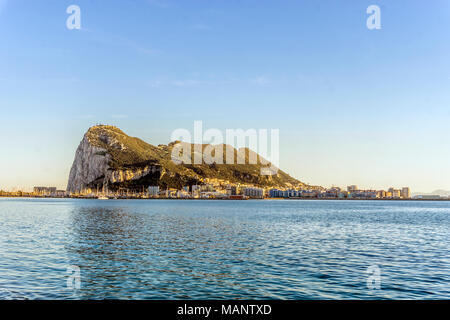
[353, 105]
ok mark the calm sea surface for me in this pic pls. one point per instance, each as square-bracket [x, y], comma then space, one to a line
[199, 249]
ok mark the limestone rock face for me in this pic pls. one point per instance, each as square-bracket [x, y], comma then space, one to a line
[90, 164]
[108, 158]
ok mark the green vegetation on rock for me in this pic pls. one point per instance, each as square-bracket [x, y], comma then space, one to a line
[130, 154]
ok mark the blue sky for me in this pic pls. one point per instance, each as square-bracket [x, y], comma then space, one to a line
[354, 106]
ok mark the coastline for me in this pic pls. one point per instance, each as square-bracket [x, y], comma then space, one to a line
[216, 199]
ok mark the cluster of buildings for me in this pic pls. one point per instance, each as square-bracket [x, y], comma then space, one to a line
[208, 191]
[18, 193]
[208, 188]
[41, 192]
[352, 192]
[220, 189]
[48, 192]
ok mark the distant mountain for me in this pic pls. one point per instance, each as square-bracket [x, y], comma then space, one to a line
[439, 192]
[107, 157]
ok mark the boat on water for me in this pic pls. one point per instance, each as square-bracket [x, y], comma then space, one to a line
[103, 194]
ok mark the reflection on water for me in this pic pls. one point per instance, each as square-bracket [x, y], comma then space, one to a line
[223, 249]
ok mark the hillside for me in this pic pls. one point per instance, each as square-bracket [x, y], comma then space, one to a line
[107, 157]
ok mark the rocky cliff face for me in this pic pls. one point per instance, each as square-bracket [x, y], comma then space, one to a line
[98, 163]
[107, 157]
[90, 164]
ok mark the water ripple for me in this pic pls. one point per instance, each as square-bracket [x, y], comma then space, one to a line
[223, 249]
